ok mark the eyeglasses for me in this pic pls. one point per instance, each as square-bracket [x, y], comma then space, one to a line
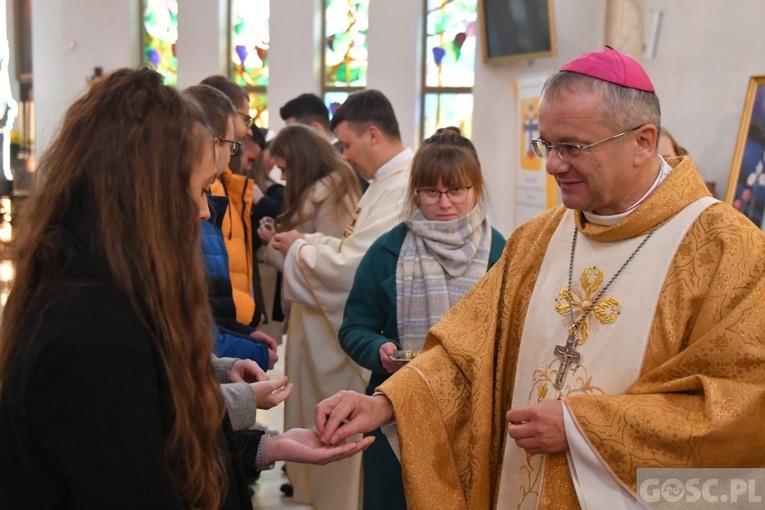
[431, 196]
[247, 119]
[567, 151]
[235, 144]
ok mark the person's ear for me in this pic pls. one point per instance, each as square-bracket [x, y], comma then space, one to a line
[645, 144]
[375, 136]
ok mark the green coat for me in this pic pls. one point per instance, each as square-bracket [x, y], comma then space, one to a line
[369, 321]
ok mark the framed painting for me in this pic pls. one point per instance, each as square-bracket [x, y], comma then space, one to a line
[746, 183]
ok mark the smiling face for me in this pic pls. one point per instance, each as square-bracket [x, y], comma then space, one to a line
[605, 179]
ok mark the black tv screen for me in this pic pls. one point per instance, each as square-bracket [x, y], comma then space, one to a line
[517, 28]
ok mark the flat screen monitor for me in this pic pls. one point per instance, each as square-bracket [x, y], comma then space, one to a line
[517, 29]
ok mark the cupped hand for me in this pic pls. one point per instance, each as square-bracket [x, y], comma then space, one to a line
[271, 393]
[303, 445]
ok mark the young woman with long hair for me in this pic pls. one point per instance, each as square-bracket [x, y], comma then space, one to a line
[321, 193]
[314, 172]
[108, 396]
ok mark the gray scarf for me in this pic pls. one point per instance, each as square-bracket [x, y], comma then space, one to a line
[439, 262]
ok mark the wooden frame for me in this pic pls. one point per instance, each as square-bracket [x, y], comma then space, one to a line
[501, 43]
[746, 183]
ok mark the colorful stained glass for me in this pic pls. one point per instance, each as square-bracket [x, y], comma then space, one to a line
[345, 51]
[450, 43]
[259, 109]
[250, 38]
[160, 28]
[333, 100]
[448, 109]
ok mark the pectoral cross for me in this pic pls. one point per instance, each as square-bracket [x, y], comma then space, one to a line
[567, 355]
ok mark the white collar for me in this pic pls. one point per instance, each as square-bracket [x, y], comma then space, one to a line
[402, 158]
[613, 219]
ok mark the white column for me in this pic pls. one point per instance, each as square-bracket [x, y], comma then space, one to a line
[395, 59]
[69, 39]
[203, 40]
[294, 57]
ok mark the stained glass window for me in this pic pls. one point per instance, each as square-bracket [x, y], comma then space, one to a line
[259, 108]
[345, 55]
[333, 100]
[447, 109]
[160, 33]
[250, 40]
[449, 47]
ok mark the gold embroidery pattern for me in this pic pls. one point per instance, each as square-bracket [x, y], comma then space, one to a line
[605, 311]
[543, 379]
[349, 228]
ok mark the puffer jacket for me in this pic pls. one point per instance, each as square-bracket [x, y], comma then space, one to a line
[231, 338]
[236, 227]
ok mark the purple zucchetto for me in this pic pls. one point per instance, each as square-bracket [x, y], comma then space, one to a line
[612, 66]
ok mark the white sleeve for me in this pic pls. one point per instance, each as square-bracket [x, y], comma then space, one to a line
[595, 486]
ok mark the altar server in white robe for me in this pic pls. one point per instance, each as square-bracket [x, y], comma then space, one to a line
[319, 272]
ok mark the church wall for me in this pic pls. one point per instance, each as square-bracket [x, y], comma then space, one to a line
[705, 54]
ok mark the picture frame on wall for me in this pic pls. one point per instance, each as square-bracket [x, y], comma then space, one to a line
[746, 183]
[517, 29]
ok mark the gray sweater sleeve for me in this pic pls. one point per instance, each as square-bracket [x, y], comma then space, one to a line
[240, 403]
[239, 398]
[221, 367]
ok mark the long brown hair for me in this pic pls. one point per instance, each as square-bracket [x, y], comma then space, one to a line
[123, 160]
[310, 157]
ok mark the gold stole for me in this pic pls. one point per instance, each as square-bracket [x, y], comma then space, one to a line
[613, 334]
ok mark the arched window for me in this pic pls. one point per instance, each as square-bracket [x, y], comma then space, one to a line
[449, 65]
[345, 55]
[160, 34]
[250, 38]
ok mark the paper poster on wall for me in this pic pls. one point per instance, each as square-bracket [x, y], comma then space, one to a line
[535, 191]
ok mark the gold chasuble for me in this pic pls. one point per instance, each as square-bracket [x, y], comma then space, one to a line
[697, 385]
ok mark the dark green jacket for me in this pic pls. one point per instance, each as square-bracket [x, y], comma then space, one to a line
[370, 321]
[370, 316]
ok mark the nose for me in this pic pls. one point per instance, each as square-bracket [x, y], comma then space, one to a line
[555, 165]
[444, 201]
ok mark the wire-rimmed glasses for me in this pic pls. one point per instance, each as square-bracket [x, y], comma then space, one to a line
[567, 151]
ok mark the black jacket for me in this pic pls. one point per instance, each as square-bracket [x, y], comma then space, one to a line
[85, 407]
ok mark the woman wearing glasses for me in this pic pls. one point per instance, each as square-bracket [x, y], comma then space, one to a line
[412, 275]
